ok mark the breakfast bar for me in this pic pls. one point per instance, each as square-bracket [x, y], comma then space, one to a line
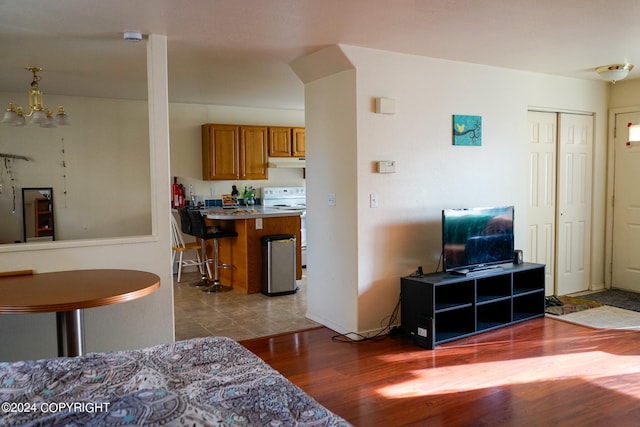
[244, 252]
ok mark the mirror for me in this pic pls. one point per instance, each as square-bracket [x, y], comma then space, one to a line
[98, 167]
[37, 214]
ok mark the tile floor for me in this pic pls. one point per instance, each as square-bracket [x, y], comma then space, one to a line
[234, 314]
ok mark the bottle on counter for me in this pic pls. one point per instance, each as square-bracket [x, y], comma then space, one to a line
[192, 198]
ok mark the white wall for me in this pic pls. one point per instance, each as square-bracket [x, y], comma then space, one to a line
[332, 231]
[186, 145]
[625, 93]
[404, 231]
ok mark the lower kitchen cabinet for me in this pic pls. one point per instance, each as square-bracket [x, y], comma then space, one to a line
[244, 252]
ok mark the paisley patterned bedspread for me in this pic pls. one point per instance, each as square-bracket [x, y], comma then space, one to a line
[202, 381]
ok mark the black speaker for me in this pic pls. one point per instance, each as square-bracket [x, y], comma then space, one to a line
[517, 256]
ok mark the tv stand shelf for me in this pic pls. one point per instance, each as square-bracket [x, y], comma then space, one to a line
[441, 307]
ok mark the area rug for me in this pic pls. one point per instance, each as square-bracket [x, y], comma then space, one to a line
[604, 317]
[616, 298]
[571, 305]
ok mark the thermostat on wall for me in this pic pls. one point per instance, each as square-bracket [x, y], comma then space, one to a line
[386, 166]
[385, 106]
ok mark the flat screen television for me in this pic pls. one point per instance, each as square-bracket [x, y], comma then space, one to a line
[476, 238]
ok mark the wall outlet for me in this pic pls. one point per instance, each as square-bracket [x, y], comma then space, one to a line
[258, 223]
[214, 192]
[332, 199]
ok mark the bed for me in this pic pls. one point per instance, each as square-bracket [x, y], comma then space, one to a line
[201, 381]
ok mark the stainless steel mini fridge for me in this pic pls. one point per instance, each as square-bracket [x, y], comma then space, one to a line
[279, 264]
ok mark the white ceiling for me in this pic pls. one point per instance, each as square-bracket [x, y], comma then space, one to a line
[236, 52]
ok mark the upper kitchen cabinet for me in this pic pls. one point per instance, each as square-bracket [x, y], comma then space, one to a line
[286, 142]
[234, 152]
[253, 152]
[280, 142]
[220, 152]
[297, 142]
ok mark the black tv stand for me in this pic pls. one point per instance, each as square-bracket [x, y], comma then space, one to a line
[441, 307]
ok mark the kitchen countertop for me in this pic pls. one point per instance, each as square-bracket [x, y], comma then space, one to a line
[246, 212]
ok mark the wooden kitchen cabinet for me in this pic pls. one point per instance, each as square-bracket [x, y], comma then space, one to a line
[253, 152]
[286, 142]
[280, 142]
[297, 142]
[234, 152]
[220, 152]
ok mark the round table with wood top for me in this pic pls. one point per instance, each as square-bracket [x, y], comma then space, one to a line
[68, 292]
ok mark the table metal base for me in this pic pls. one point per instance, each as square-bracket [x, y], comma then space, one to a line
[70, 333]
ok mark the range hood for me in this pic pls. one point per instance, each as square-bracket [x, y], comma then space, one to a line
[287, 162]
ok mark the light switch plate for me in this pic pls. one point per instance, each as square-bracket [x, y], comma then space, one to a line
[373, 200]
[331, 199]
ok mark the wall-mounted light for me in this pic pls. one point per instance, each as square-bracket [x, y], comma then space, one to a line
[613, 73]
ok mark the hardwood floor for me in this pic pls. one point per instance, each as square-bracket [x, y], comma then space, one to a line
[543, 372]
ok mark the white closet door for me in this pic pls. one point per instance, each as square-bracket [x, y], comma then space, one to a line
[541, 208]
[574, 202]
[559, 199]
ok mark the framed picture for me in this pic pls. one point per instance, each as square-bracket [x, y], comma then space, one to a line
[467, 130]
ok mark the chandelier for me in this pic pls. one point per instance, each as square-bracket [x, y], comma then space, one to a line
[39, 114]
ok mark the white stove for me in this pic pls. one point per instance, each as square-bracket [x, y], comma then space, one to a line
[292, 199]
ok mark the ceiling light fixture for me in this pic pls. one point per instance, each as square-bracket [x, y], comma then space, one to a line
[40, 115]
[615, 72]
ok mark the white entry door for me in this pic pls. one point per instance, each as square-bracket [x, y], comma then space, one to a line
[541, 206]
[559, 199]
[626, 209]
[575, 150]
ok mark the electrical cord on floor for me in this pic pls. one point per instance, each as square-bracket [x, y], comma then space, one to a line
[389, 328]
[379, 336]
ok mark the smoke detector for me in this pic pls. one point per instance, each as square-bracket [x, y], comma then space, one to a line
[133, 36]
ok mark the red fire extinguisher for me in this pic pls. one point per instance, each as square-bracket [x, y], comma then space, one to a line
[175, 193]
[181, 196]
